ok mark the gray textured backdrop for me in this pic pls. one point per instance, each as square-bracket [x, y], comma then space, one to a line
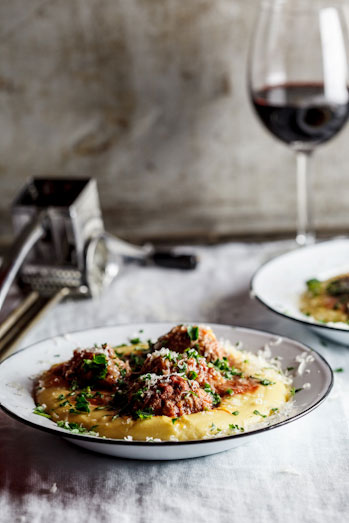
[150, 97]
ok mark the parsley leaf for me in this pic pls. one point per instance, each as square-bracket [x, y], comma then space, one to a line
[97, 365]
[216, 399]
[224, 367]
[82, 404]
[293, 391]
[236, 427]
[193, 332]
[257, 413]
[266, 382]
[76, 428]
[144, 414]
[40, 411]
[314, 286]
[192, 353]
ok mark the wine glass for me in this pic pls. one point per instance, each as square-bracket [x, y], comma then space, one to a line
[298, 82]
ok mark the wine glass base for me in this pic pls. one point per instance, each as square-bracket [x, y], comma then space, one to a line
[303, 239]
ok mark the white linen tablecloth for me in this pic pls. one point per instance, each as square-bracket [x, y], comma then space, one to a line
[298, 473]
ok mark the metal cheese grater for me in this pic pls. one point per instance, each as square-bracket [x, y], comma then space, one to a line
[61, 249]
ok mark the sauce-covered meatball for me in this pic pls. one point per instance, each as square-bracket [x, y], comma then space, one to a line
[189, 363]
[168, 395]
[194, 367]
[201, 338]
[98, 365]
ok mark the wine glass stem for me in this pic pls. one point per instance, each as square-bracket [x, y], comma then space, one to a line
[305, 233]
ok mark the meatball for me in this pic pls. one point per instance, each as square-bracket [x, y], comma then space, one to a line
[189, 363]
[168, 395]
[202, 338]
[163, 361]
[96, 366]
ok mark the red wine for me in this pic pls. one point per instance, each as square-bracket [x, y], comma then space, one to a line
[299, 114]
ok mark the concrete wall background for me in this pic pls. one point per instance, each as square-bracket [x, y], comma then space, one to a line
[149, 96]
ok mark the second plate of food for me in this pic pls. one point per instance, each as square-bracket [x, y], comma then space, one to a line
[163, 391]
[309, 285]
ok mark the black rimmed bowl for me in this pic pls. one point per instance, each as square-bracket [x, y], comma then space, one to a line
[279, 283]
[19, 370]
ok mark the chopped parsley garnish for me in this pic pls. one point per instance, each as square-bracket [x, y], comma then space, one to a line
[60, 397]
[216, 399]
[76, 428]
[98, 365]
[174, 420]
[87, 392]
[290, 368]
[314, 286]
[294, 391]
[224, 367]
[40, 411]
[236, 427]
[144, 414]
[257, 413]
[235, 413]
[229, 392]
[192, 375]
[135, 341]
[81, 405]
[193, 332]
[192, 353]
[275, 409]
[170, 356]
[266, 382]
[340, 369]
[139, 393]
[64, 403]
[182, 366]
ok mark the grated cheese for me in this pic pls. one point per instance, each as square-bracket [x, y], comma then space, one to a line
[303, 359]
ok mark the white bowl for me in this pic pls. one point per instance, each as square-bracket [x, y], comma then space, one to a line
[279, 283]
[19, 370]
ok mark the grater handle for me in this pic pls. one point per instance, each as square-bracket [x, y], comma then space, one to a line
[149, 254]
[18, 252]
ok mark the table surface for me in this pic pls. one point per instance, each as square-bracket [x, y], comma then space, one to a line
[296, 474]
